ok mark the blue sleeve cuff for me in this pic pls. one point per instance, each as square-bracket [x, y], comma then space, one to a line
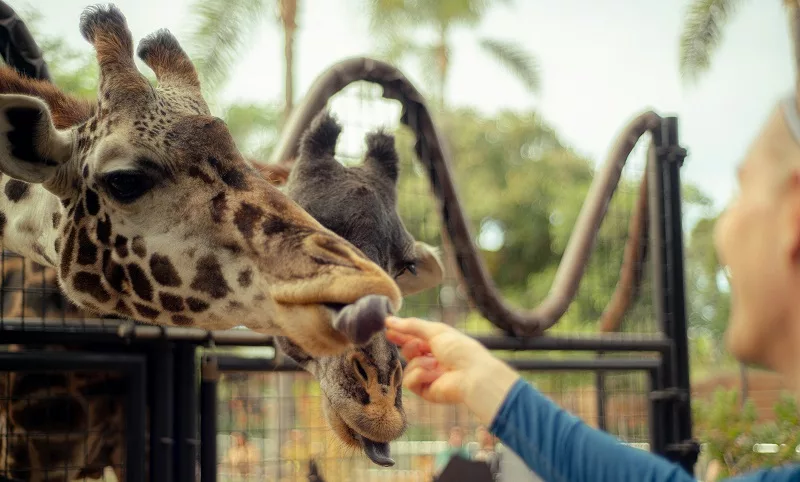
[508, 403]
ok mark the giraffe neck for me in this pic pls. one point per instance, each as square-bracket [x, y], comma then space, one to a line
[29, 218]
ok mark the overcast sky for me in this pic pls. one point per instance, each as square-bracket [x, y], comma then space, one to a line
[602, 63]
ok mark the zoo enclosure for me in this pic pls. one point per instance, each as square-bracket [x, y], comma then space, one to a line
[180, 368]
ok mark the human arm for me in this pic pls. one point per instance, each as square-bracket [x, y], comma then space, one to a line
[446, 366]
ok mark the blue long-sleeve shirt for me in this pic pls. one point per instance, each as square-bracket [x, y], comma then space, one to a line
[560, 447]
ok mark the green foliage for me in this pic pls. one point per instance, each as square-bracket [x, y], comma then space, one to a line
[702, 33]
[730, 430]
[219, 33]
[419, 30]
[519, 62]
[254, 127]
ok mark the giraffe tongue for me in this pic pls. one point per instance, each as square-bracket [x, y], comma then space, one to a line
[361, 320]
[378, 452]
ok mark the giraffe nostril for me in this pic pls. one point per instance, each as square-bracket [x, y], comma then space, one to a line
[360, 371]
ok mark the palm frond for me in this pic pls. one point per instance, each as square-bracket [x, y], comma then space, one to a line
[394, 46]
[521, 63]
[701, 35]
[219, 35]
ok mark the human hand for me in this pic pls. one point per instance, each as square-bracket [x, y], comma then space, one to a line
[447, 366]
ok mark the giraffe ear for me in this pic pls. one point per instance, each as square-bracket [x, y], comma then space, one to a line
[31, 148]
[430, 271]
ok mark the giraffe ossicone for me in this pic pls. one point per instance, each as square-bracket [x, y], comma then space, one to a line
[159, 217]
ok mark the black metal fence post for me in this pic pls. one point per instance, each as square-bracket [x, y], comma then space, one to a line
[670, 300]
[186, 406]
[162, 405]
[208, 418]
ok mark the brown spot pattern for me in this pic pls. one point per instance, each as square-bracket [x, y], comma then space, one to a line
[121, 246]
[87, 251]
[56, 219]
[229, 174]
[137, 246]
[182, 320]
[246, 217]
[92, 202]
[171, 302]
[123, 309]
[245, 277]
[141, 285]
[113, 272]
[104, 231]
[209, 278]
[146, 311]
[195, 171]
[16, 190]
[274, 225]
[162, 270]
[218, 207]
[90, 284]
[66, 257]
[196, 305]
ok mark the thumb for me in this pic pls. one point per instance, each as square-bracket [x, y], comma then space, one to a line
[416, 327]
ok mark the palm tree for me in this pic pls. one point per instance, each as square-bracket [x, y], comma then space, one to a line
[221, 30]
[398, 23]
[703, 31]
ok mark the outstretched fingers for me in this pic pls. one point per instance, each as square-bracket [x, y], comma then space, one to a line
[410, 346]
[416, 327]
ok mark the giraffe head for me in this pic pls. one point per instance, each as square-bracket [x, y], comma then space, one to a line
[362, 387]
[164, 221]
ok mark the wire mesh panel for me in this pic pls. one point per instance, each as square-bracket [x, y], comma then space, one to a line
[255, 443]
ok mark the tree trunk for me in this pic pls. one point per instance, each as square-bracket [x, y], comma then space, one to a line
[288, 13]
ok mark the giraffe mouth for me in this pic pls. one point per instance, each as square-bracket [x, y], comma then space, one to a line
[378, 452]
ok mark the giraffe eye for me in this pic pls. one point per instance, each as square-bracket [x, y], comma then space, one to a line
[127, 186]
[411, 267]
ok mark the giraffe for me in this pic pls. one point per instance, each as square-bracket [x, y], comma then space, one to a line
[347, 379]
[113, 162]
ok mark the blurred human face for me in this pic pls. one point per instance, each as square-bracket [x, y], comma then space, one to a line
[757, 240]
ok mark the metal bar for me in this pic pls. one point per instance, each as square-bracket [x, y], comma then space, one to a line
[208, 419]
[232, 363]
[124, 332]
[68, 361]
[590, 364]
[607, 343]
[185, 404]
[135, 427]
[675, 288]
[600, 382]
[659, 274]
[162, 402]
[657, 416]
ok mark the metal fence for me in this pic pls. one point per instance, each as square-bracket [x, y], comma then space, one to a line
[181, 403]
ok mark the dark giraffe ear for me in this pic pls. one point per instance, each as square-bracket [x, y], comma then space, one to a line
[319, 140]
[31, 148]
[430, 271]
[381, 155]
